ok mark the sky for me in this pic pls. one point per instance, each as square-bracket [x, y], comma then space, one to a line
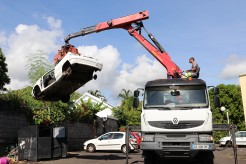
[212, 31]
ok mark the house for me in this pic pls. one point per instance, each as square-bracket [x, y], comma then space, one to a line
[106, 113]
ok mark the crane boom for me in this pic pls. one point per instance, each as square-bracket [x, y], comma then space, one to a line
[132, 23]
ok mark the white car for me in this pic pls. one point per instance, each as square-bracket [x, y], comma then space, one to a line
[240, 139]
[108, 141]
[72, 72]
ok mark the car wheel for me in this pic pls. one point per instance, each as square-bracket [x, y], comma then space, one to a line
[91, 148]
[123, 149]
[228, 143]
[67, 69]
[37, 92]
[65, 99]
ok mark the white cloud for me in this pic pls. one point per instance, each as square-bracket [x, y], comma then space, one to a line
[116, 75]
[25, 40]
[235, 66]
[135, 76]
[2, 38]
[110, 58]
[54, 23]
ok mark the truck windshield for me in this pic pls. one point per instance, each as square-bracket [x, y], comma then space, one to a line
[178, 97]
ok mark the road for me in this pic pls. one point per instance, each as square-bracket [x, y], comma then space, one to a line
[221, 157]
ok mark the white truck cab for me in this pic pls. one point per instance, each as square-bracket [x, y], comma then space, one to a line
[176, 120]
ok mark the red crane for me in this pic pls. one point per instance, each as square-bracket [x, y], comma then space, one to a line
[133, 24]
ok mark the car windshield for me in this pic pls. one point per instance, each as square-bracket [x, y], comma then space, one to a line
[175, 97]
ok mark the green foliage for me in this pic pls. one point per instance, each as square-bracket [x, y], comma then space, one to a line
[125, 113]
[231, 99]
[85, 111]
[98, 94]
[40, 112]
[4, 78]
[37, 65]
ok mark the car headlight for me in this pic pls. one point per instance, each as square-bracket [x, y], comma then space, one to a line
[148, 138]
[206, 138]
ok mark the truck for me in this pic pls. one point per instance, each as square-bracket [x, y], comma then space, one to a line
[176, 118]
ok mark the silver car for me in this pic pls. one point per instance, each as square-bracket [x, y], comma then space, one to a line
[240, 139]
[72, 72]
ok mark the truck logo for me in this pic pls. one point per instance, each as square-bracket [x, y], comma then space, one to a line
[175, 121]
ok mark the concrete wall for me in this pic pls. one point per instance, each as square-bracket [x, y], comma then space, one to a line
[78, 133]
[243, 91]
[12, 121]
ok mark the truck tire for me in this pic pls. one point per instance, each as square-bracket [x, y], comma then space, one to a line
[149, 160]
[207, 158]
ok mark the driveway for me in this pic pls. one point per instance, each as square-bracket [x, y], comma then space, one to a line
[221, 157]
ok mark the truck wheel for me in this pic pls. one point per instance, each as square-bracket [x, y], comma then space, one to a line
[149, 160]
[207, 158]
[91, 148]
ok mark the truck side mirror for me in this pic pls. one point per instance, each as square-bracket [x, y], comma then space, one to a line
[216, 90]
[135, 102]
[136, 93]
[216, 101]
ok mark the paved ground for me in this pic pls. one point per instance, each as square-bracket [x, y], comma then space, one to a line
[221, 157]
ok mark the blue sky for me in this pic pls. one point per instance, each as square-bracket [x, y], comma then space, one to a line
[212, 31]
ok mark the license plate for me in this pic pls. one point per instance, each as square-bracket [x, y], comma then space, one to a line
[201, 147]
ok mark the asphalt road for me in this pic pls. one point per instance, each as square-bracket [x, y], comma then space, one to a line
[221, 157]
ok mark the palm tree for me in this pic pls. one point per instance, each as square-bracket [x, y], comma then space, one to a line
[98, 94]
[125, 94]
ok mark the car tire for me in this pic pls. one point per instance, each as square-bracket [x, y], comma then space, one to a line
[91, 148]
[123, 149]
[37, 92]
[228, 143]
[67, 69]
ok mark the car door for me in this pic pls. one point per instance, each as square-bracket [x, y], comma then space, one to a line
[104, 142]
[241, 138]
[117, 141]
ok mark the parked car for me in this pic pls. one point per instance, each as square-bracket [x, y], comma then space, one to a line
[72, 72]
[240, 139]
[138, 138]
[108, 141]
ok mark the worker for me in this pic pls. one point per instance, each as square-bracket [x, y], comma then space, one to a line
[194, 71]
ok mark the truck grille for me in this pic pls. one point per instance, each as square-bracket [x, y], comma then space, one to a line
[180, 125]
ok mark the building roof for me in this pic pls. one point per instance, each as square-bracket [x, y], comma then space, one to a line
[107, 112]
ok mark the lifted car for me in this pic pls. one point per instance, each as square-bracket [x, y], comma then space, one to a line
[72, 72]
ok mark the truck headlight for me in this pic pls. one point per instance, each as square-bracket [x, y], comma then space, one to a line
[148, 138]
[206, 138]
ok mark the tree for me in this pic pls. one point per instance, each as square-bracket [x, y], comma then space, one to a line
[98, 94]
[125, 113]
[4, 78]
[231, 99]
[37, 65]
[125, 94]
